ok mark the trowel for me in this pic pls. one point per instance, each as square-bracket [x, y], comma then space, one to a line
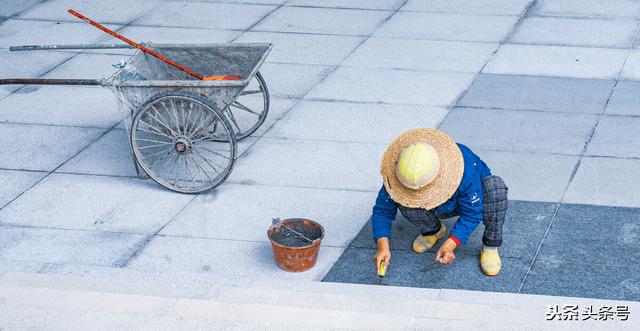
[381, 271]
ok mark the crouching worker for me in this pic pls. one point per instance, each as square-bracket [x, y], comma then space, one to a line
[428, 177]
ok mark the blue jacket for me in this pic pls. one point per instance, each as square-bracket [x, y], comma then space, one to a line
[467, 201]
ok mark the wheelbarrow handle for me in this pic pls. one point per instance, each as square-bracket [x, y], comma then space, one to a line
[45, 81]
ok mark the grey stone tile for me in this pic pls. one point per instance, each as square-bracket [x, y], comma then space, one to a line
[595, 236]
[27, 32]
[177, 35]
[15, 183]
[435, 26]
[27, 65]
[210, 215]
[576, 32]
[95, 203]
[519, 131]
[631, 70]
[408, 269]
[62, 105]
[292, 80]
[491, 7]
[538, 93]
[323, 20]
[317, 164]
[304, 48]
[64, 246]
[109, 155]
[553, 276]
[606, 181]
[590, 8]
[256, 2]
[559, 61]
[15, 7]
[205, 15]
[421, 55]
[36, 147]
[532, 176]
[616, 136]
[225, 262]
[355, 122]
[625, 99]
[360, 4]
[392, 86]
[523, 230]
[99, 11]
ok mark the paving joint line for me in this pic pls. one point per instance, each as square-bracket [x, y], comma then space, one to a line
[577, 166]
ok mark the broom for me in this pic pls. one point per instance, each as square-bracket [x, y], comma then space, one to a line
[151, 52]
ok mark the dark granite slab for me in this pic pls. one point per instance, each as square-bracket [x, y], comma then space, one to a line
[538, 93]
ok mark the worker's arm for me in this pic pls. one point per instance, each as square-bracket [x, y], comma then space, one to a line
[384, 212]
[470, 208]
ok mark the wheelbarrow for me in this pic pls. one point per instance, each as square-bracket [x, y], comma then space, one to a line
[183, 131]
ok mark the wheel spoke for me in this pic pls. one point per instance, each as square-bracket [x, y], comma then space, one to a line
[158, 133]
[163, 119]
[237, 104]
[155, 141]
[251, 92]
[233, 120]
[215, 153]
[209, 163]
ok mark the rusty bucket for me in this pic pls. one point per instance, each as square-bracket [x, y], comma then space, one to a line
[295, 243]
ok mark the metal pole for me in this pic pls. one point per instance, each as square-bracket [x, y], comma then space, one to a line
[54, 47]
[44, 81]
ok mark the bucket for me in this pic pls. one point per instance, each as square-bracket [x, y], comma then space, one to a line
[295, 252]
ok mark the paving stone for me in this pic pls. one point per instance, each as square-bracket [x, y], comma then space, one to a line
[519, 131]
[532, 176]
[302, 163]
[392, 86]
[99, 11]
[355, 122]
[616, 136]
[590, 8]
[606, 181]
[323, 20]
[523, 217]
[538, 93]
[578, 235]
[551, 275]
[360, 4]
[560, 61]
[62, 105]
[36, 147]
[109, 155]
[424, 55]
[625, 99]
[493, 7]
[433, 26]
[631, 69]
[28, 65]
[15, 183]
[199, 15]
[26, 32]
[177, 35]
[408, 269]
[64, 246]
[257, 2]
[292, 80]
[225, 262]
[12, 8]
[210, 215]
[576, 32]
[304, 48]
[95, 203]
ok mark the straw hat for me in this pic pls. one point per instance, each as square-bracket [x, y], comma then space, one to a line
[417, 186]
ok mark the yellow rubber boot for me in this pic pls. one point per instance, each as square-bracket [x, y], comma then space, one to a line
[425, 243]
[490, 260]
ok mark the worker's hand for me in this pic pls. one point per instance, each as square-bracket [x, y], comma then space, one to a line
[445, 254]
[383, 254]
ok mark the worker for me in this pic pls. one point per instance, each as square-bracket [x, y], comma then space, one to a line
[429, 177]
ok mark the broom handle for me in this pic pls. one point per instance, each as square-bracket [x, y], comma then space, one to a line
[135, 44]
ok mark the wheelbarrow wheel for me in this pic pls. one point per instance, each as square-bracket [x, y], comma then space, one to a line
[250, 109]
[183, 142]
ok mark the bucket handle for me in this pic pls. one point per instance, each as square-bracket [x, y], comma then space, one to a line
[277, 222]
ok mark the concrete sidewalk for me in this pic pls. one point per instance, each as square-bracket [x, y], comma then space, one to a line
[545, 92]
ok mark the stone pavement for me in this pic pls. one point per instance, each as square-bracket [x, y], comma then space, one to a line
[545, 91]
